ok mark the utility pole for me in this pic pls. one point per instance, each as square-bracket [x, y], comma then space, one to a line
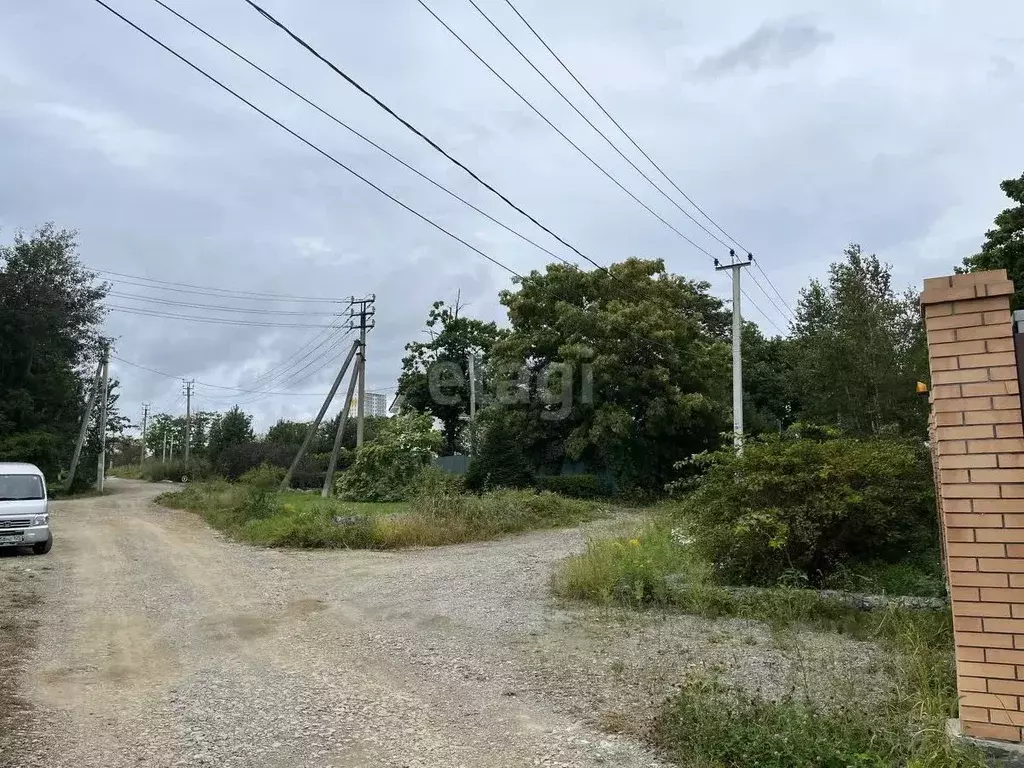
[85, 424]
[365, 311]
[170, 455]
[101, 462]
[736, 267]
[286, 483]
[163, 456]
[342, 418]
[472, 402]
[145, 420]
[189, 386]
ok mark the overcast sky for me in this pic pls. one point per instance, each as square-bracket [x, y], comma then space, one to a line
[799, 126]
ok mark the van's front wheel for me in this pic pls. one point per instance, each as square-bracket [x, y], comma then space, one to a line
[43, 547]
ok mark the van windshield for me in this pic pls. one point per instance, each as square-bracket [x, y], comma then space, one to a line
[20, 488]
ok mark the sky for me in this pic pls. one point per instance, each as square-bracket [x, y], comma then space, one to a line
[798, 126]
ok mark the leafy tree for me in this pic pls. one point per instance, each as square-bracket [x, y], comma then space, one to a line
[648, 369]
[372, 426]
[386, 469]
[51, 311]
[286, 432]
[858, 349]
[769, 401]
[1004, 244]
[442, 365]
[232, 429]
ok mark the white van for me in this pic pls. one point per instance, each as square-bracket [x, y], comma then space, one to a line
[24, 508]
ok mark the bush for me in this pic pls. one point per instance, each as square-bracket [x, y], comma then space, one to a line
[195, 470]
[264, 476]
[501, 460]
[575, 486]
[434, 481]
[811, 506]
[387, 469]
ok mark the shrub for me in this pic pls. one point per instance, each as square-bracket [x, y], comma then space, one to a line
[806, 505]
[264, 476]
[157, 471]
[434, 481]
[575, 486]
[387, 469]
[501, 460]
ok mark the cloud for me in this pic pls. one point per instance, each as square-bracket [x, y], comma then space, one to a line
[167, 177]
[772, 45]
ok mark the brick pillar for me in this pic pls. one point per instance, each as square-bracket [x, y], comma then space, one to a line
[976, 413]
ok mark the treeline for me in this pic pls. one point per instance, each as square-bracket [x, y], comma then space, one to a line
[623, 373]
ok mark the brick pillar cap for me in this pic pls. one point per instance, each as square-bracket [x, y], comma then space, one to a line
[972, 285]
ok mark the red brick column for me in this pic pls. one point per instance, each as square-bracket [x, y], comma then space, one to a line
[979, 442]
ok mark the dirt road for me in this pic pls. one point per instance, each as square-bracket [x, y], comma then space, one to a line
[159, 643]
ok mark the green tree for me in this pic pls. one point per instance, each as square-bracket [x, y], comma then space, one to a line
[51, 311]
[625, 369]
[232, 429]
[769, 400]
[1004, 244]
[286, 432]
[858, 350]
[435, 373]
[385, 469]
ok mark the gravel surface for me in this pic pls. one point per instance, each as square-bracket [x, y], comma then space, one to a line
[160, 643]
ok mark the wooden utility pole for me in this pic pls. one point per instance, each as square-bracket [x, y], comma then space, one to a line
[83, 430]
[101, 462]
[286, 483]
[145, 420]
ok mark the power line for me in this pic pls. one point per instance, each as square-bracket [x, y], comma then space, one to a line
[355, 132]
[629, 137]
[619, 126]
[201, 288]
[337, 162]
[558, 130]
[589, 122]
[301, 138]
[213, 320]
[433, 144]
[214, 307]
[213, 386]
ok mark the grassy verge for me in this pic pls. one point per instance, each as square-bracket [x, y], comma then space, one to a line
[275, 519]
[709, 724]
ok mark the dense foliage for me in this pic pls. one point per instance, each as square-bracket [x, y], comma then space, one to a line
[810, 504]
[435, 373]
[387, 468]
[1004, 243]
[51, 311]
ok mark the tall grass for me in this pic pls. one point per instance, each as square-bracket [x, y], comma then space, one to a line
[435, 517]
[712, 724]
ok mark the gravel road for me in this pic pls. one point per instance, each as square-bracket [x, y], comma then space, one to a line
[159, 643]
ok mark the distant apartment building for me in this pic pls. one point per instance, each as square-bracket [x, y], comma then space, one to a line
[376, 405]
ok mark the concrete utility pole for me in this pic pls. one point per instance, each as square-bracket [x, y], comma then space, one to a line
[365, 311]
[472, 402]
[145, 420]
[101, 462]
[90, 404]
[342, 418]
[737, 357]
[170, 455]
[189, 385]
[286, 483]
[163, 456]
